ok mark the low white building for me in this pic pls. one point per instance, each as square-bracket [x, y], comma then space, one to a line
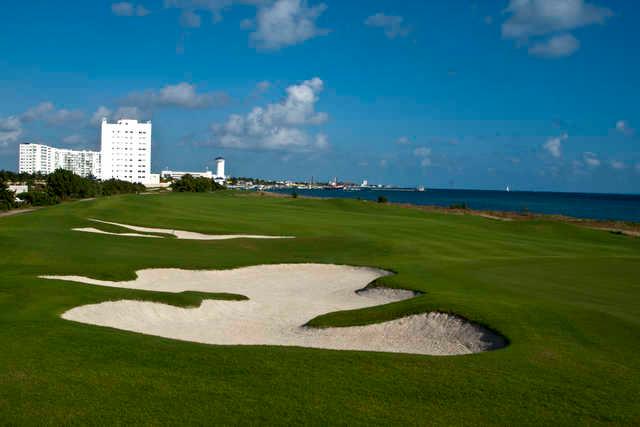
[219, 176]
[34, 158]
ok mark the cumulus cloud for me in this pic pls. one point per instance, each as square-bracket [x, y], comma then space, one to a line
[10, 130]
[424, 154]
[554, 145]
[623, 127]
[129, 9]
[535, 18]
[74, 139]
[190, 19]
[182, 95]
[189, 16]
[618, 165]
[393, 26]
[591, 159]
[403, 140]
[555, 47]
[286, 23]
[539, 17]
[123, 112]
[100, 113]
[46, 111]
[277, 126]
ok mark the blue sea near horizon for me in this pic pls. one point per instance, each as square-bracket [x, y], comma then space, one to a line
[619, 207]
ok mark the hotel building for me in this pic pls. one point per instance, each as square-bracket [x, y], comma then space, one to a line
[126, 150]
[44, 159]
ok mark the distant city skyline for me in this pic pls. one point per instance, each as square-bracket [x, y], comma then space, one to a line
[530, 94]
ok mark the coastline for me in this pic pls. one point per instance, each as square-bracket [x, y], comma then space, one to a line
[627, 228]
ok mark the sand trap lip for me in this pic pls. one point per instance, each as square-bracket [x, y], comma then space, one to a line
[180, 234]
[282, 298]
[98, 231]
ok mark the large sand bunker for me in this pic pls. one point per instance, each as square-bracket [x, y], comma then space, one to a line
[180, 234]
[282, 299]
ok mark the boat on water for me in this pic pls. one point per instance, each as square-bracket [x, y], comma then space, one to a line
[507, 189]
[420, 188]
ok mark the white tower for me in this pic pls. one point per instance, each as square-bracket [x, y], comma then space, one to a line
[220, 168]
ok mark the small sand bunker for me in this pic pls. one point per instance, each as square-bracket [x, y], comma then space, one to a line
[282, 299]
[98, 231]
[187, 235]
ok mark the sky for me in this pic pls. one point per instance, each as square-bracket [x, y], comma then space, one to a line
[532, 94]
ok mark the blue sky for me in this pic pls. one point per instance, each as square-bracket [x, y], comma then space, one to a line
[535, 94]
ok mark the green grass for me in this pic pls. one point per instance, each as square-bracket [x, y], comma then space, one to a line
[567, 298]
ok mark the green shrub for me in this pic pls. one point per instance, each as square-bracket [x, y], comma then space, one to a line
[38, 198]
[115, 186]
[7, 198]
[191, 184]
[459, 206]
[64, 185]
[382, 199]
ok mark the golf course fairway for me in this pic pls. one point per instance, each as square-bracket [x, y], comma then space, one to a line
[565, 298]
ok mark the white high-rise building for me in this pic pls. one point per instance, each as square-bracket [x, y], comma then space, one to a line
[126, 150]
[41, 158]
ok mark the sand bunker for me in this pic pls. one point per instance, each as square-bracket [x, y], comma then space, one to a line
[282, 299]
[98, 231]
[187, 235]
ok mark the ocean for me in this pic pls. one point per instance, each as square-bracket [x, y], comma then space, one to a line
[620, 207]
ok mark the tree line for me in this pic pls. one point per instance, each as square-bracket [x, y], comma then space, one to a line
[58, 186]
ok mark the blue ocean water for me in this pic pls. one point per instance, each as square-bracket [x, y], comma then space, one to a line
[580, 205]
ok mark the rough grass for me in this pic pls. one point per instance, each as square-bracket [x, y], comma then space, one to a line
[567, 298]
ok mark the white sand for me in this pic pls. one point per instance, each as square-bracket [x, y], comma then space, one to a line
[97, 231]
[282, 298]
[187, 235]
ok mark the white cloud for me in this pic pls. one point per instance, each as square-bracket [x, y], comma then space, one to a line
[618, 165]
[539, 17]
[128, 112]
[591, 159]
[47, 112]
[286, 23]
[554, 145]
[63, 115]
[384, 163]
[623, 127]
[129, 9]
[37, 112]
[74, 139]
[403, 140]
[190, 19]
[101, 112]
[10, 130]
[277, 126]
[393, 26]
[424, 154]
[555, 47]
[322, 141]
[183, 95]
[263, 86]
[534, 18]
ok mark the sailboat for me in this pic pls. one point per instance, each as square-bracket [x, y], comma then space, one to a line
[507, 189]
